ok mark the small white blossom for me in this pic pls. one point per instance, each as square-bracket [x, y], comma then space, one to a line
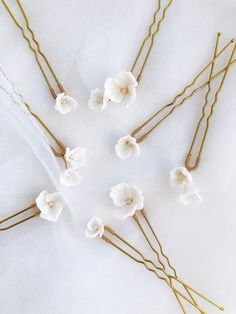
[50, 205]
[70, 178]
[121, 89]
[180, 177]
[190, 196]
[97, 101]
[127, 147]
[95, 228]
[75, 157]
[64, 103]
[128, 198]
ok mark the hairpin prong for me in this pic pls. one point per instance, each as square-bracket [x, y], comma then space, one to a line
[35, 52]
[175, 277]
[147, 261]
[31, 208]
[54, 138]
[150, 36]
[172, 105]
[199, 153]
[176, 291]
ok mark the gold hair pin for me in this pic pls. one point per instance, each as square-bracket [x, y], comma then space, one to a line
[129, 145]
[129, 200]
[47, 206]
[64, 103]
[122, 88]
[72, 158]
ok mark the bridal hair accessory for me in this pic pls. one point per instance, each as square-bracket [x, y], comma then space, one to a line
[122, 88]
[129, 200]
[128, 146]
[47, 206]
[72, 158]
[63, 103]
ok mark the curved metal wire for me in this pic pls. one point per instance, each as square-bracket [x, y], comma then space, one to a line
[35, 52]
[31, 208]
[150, 36]
[109, 241]
[172, 105]
[199, 153]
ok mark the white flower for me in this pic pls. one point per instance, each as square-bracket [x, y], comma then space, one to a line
[180, 177]
[95, 228]
[75, 157]
[190, 196]
[64, 103]
[97, 101]
[70, 178]
[122, 88]
[127, 147]
[128, 197]
[50, 205]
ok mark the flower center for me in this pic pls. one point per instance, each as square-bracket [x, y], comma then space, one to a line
[128, 144]
[129, 201]
[95, 228]
[181, 176]
[124, 90]
[74, 156]
[63, 102]
[100, 100]
[51, 204]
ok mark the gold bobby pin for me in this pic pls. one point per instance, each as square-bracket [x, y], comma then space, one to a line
[33, 212]
[150, 37]
[35, 52]
[129, 201]
[166, 277]
[72, 158]
[46, 206]
[172, 106]
[196, 134]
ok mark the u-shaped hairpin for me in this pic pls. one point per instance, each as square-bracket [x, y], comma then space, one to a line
[72, 158]
[32, 211]
[122, 88]
[196, 134]
[140, 134]
[35, 52]
[150, 37]
[157, 266]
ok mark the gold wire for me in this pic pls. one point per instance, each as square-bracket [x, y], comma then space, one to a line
[137, 130]
[35, 52]
[38, 46]
[189, 155]
[145, 216]
[155, 251]
[59, 143]
[175, 277]
[147, 261]
[32, 206]
[151, 270]
[152, 38]
[148, 35]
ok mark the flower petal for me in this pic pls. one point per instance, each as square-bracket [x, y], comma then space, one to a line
[113, 91]
[70, 178]
[119, 194]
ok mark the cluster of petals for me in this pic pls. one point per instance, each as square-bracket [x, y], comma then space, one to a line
[127, 147]
[74, 158]
[181, 178]
[121, 89]
[50, 205]
[64, 103]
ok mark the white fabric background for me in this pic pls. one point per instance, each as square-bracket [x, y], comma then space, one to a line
[52, 268]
